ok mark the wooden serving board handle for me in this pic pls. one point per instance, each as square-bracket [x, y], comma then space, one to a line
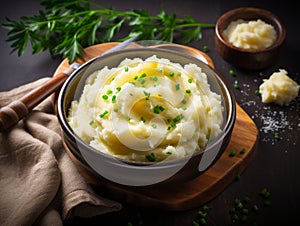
[11, 114]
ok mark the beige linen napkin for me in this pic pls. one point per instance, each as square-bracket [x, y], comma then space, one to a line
[39, 184]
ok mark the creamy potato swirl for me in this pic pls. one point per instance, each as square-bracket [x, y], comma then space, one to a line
[147, 110]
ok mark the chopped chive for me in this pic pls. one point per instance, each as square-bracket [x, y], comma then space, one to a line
[154, 126]
[190, 80]
[126, 69]
[147, 95]
[151, 157]
[157, 109]
[153, 78]
[104, 97]
[276, 136]
[195, 223]
[103, 114]
[257, 92]
[183, 101]
[171, 74]
[231, 72]
[188, 91]
[205, 48]
[91, 122]
[143, 75]
[238, 177]
[169, 153]
[232, 153]
[255, 208]
[236, 85]
[143, 119]
[118, 89]
[116, 110]
[205, 207]
[202, 221]
[108, 92]
[127, 118]
[243, 150]
[113, 99]
[135, 77]
[177, 86]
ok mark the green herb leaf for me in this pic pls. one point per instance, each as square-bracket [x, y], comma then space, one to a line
[65, 28]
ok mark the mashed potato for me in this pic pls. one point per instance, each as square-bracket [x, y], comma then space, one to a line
[251, 35]
[279, 88]
[147, 110]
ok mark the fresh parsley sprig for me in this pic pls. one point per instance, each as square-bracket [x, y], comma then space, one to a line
[64, 28]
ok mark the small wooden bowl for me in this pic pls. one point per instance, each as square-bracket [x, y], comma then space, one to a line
[243, 58]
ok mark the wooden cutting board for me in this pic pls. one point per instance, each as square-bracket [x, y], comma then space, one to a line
[193, 193]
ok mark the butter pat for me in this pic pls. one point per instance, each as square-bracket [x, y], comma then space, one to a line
[251, 35]
[279, 89]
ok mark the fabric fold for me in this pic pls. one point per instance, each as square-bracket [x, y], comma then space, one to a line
[40, 185]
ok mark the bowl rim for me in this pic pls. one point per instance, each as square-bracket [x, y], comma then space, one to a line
[228, 127]
[226, 18]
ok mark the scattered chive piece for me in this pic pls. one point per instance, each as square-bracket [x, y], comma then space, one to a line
[183, 101]
[151, 157]
[276, 136]
[105, 97]
[205, 48]
[238, 177]
[202, 221]
[195, 223]
[126, 69]
[143, 75]
[136, 77]
[103, 114]
[257, 92]
[255, 208]
[177, 86]
[157, 109]
[143, 119]
[205, 207]
[236, 86]
[232, 153]
[171, 74]
[154, 126]
[108, 92]
[127, 118]
[247, 199]
[113, 99]
[243, 150]
[147, 95]
[231, 72]
[91, 122]
[188, 91]
[169, 153]
[116, 110]
[118, 89]
[190, 80]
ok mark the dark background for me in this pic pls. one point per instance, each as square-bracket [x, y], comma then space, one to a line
[276, 162]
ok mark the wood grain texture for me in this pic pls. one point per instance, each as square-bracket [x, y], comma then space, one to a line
[190, 194]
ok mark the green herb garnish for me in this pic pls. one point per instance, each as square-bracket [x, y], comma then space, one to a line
[103, 114]
[158, 108]
[66, 27]
[151, 157]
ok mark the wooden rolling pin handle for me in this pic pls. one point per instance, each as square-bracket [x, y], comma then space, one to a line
[18, 109]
